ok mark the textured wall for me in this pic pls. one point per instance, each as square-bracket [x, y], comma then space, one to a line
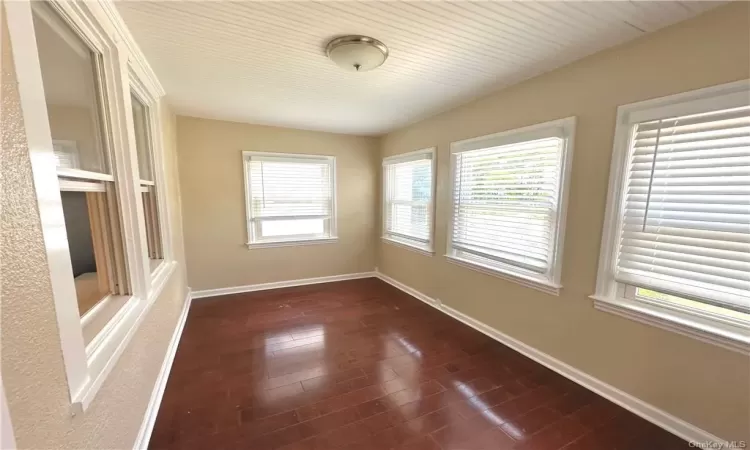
[32, 366]
[700, 383]
[210, 155]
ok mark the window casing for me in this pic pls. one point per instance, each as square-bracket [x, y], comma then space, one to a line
[142, 120]
[290, 199]
[83, 176]
[408, 205]
[508, 203]
[676, 241]
[72, 75]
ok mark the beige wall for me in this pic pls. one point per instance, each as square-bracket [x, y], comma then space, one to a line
[700, 383]
[210, 155]
[33, 374]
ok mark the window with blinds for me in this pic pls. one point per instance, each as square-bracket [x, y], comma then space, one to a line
[685, 228]
[508, 202]
[407, 197]
[290, 198]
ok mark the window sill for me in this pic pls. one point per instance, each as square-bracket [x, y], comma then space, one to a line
[154, 265]
[106, 348]
[539, 284]
[96, 320]
[408, 246]
[730, 333]
[294, 243]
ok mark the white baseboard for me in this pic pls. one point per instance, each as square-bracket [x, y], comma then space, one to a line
[409, 290]
[149, 419]
[280, 284]
[658, 417]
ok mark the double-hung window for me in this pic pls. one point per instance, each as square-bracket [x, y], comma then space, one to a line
[509, 201]
[408, 186]
[73, 81]
[676, 245]
[147, 180]
[70, 60]
[290, 198]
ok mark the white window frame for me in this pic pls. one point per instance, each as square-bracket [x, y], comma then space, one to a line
[549, 282]
[706, 325]
[88, 365]
[149, 97]
[428, 248]
[252, 242]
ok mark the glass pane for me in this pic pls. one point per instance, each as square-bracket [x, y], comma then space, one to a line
[87, 249]
[298, 227]
[153, 235]
[410, 220]
[718, 309]
[412, 181]
[142, 141]
[71, 93]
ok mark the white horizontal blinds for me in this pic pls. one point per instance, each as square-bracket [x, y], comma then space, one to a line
[505, 203]
[290, 188]
[408, 199]
[686, 228]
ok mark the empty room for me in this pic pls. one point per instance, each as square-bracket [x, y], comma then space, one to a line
[383, 225]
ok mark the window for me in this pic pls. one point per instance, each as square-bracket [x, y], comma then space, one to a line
[73, 98]
[290, 198]
[408, 185]
[677, 238]
[143, 140]
[509, 201]
[73, 82]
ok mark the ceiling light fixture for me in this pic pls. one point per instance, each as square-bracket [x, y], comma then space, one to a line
[357, 53]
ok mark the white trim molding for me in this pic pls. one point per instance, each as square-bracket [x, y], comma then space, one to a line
[119, 334]
[659, 417]
[728, 331]
[534, 283]
[279, 284]
[44, 173]
[292, 243]
[136, 57]
[152, 410]
[407, 245]
[409, 290]
[720, 331]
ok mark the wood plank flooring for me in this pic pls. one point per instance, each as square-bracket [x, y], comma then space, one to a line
[361, 365]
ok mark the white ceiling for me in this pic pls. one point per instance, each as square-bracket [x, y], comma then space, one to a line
[264, 62]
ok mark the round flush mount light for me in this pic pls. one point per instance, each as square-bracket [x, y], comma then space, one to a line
[357, 53]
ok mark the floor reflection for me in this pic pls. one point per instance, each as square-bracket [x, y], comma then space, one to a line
[408, 346]
[295, 355]
[339, 365]
[483, 408]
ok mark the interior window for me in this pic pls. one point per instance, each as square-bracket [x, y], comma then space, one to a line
[147, 181]
[686, 224]
[73, 86]
[508, 201]
[290, 198]
[407, 196]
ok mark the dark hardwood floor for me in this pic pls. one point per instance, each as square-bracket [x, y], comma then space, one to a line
[361, 365]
